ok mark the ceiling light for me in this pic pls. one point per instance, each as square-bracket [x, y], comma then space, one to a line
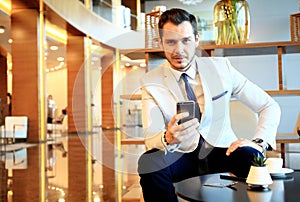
[95, 58]
[190, 2]
[53, 48]
[10, 41]
[2, 29]
[60, 59]
[143, 65]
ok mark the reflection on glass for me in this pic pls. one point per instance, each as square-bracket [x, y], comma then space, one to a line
[255, 196]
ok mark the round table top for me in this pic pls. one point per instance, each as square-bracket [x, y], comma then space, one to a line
[192, 189]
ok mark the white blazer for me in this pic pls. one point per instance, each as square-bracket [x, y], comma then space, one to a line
[161, 92]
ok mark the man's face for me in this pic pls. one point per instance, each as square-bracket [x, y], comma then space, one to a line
[179, 44]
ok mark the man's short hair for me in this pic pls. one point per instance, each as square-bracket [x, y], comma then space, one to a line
[176, 16]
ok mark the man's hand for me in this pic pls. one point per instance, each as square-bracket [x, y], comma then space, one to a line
[179, 133]
[242, 143]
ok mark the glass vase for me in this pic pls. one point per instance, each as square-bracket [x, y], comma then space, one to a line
[231, 22]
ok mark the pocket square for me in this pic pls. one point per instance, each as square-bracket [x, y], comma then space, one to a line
[219, 96]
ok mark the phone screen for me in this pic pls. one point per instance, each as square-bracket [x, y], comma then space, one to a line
[188, 106]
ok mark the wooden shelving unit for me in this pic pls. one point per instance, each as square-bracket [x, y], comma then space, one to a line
[279, 48]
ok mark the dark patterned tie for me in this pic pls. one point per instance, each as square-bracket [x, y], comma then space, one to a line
[191, 96]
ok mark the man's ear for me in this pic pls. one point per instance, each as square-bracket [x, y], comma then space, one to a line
[197, 39]
[160, 44]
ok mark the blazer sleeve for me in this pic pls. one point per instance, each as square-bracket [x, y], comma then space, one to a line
[153, 122]
[260, 102]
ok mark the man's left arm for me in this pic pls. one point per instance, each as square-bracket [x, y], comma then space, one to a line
[260, 102]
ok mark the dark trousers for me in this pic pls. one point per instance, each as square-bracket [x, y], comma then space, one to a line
[158, 170]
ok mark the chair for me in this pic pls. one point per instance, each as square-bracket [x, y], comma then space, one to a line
[16, 159]
[243, 120]
[15, 128]
[61, 127]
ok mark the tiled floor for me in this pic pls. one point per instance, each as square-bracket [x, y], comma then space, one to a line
[62, 170]
[70, 168]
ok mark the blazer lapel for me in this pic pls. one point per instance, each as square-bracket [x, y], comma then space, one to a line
[212, 87]
[173, 87]
[208, 73]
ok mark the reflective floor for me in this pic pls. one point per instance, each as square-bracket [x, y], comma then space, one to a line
[69, 168]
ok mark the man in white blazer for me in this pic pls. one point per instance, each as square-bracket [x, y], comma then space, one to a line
[175, 151]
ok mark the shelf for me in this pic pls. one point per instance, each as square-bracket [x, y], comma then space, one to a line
[293, 138]
[252, 45]
[135, 141]
[135, 54]
[140, 50]
[270, 92]
[234, 49]
[131, 97]
[283, 92]
[252, 48]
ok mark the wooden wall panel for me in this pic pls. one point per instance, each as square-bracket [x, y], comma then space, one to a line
[28, 178]
[24, 31]
[77, 179]
[107, 91]
[76, 84]
[108, 136]
[3, 88]
[77, 182]
[3, 181]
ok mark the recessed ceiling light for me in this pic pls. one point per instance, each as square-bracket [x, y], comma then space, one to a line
[143, 65]
[53, 47]
[60, 59]
[95, 58]
[2, 29]
[10, 41]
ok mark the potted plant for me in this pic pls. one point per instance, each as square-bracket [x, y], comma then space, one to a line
[258, 175]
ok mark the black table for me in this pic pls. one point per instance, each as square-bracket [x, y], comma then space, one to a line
[191, 189]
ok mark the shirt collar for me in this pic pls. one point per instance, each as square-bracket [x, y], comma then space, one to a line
[191, 72]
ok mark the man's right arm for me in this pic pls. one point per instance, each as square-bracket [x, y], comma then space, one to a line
[166, 134]
[153, 122]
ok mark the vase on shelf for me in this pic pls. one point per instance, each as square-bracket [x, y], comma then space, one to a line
[231, 22]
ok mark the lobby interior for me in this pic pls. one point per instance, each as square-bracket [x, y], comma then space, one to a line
[89, 55]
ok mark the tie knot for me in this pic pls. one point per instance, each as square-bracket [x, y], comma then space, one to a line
[185, 77]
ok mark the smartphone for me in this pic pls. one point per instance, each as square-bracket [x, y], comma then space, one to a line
[187, 106]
